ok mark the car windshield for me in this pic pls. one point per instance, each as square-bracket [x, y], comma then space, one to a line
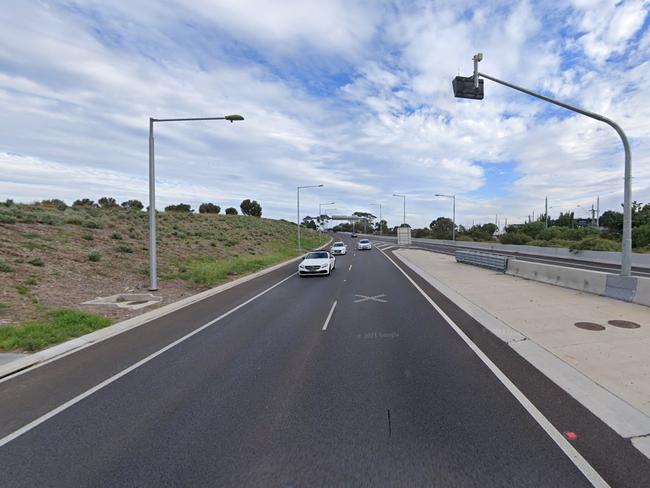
[338, 244]
[317, 255]
[364, 241]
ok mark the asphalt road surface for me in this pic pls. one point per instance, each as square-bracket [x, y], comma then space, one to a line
[384, 393]
[430, 245]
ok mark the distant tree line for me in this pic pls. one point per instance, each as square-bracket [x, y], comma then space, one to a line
[247, 206]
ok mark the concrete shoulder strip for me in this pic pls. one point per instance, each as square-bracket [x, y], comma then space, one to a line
[73, 345]
[626, 420]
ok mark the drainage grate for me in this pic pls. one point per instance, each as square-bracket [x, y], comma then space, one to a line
[625, 324]
[589, 326]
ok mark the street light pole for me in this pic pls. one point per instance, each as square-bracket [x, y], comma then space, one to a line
[453, 228]
[298, 188]
[626, 255]
[153, 271]
[404, 197]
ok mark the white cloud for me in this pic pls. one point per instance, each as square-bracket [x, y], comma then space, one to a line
[354, 95]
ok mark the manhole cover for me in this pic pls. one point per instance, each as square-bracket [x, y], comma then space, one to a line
[625, 324]
[589, 326]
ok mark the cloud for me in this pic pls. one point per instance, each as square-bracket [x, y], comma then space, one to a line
[353, 95]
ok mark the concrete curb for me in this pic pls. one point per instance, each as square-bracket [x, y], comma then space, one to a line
[73, 345]
[622, 417]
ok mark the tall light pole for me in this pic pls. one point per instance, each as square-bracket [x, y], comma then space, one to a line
[320, 215]
[453, 228]
[153, 272]
[298, 188]
[404, 197]
[380, 219]
[472, 87]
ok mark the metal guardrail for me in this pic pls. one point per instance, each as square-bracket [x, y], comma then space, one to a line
[498, 262]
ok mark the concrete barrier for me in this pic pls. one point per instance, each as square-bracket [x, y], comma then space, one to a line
[578, 279]
[630, 289]
[642, 292]
[605, 257]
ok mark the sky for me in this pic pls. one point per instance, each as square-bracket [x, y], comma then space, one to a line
[353, 95]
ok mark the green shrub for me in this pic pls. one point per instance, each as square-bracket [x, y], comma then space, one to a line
[22, 290]
[116, 236]
[74, 220]
[94, 256]
[7, 219]
[125, 248]
[464, 238]
[36, 262]
[49, 219]
[518, 238]
[596, 244]
[92, 224]
[5, 268]
[567, 233]
[88, 237]
[641, 236]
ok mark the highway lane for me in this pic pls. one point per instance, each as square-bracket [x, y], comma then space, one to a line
[572, 263]
[265, 397]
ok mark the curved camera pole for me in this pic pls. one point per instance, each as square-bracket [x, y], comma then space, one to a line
[626, 255]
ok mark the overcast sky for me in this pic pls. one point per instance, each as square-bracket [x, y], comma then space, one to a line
[353, 95]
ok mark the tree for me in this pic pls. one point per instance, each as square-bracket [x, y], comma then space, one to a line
[181, 207]
[441, 228]
[640, 214]
[383, 225]
[309, 222]
[209, 208]
[490, 228]
[84, 202]
[55, 203]
[107, 202]
[231, 211]
[252, 208]
[565, 220]
[613, 221]
[133, 205]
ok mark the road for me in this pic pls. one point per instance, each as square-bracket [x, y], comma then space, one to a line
[430, 245]
[256, 387]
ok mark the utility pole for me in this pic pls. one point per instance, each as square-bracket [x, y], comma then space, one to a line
[546, 211]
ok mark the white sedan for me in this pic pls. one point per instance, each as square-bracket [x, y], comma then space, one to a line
[364, 244]
[317, 263]
[339, 248]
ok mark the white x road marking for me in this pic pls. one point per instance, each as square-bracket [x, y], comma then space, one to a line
[376, 298]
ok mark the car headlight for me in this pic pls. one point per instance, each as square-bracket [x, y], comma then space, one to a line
[324, 266]
[302, 266]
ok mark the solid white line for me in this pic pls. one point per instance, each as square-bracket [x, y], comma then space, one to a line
[329, 316]
[350, 268]
[580, 462]
[87, 393]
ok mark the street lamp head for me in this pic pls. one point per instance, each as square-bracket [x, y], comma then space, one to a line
[232, 118]
[319, 186]
[478, 57]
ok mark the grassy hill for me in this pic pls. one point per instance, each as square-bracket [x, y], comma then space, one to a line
[53, 259]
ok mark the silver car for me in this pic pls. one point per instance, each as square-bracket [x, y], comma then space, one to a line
[364, 244]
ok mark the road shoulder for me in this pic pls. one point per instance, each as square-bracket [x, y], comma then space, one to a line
[626, 420]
